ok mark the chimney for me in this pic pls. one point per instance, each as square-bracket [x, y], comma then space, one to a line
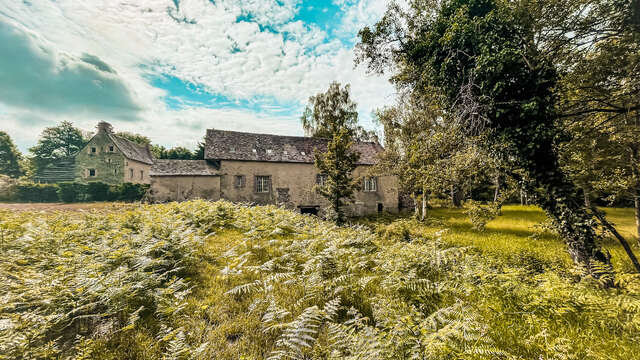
[104, 126]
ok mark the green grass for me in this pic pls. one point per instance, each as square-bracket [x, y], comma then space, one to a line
[255, 282]
[516, 232]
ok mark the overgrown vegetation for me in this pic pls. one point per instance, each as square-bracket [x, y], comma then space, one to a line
[217, 280]
[69, 192]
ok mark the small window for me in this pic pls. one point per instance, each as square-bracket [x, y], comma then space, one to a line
[239, 181]
[232, 149]
[92, 172]
[370, 184]
[131, 173]
[93, 150]
[141, 174]
[321, 179]
[269, 151]
[111, 148]
[263, 184]
[115, 171]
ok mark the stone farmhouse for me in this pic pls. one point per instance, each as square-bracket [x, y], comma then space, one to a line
[268, 169]
[237, 166]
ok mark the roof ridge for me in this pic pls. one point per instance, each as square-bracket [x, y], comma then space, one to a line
[285, 136]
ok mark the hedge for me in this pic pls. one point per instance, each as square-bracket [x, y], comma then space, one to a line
[75, 192]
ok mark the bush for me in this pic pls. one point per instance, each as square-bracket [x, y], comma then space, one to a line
[98, 191]
[71, 192]
[480, 215]
[30, 192]
[129, 192]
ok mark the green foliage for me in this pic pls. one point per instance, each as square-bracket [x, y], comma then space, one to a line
[480, 215]
[10, 157]
[333, 115]
[69, 192]
[58, 142]
[30, 192]
[227, 281]
[133, 137]
[99, 191]
[128, 192]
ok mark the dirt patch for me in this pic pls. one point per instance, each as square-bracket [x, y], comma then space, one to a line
[54, 206]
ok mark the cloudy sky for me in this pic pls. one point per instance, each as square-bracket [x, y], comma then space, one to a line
[170, 69]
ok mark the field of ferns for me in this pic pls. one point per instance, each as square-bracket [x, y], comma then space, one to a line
[203, 280]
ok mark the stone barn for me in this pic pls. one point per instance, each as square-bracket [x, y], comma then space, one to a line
[269, 169]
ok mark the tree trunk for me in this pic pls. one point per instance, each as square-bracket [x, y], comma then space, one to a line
[416, 209]
[456, 196]
[424, 205]
[636, 203]
[587, 199]
[562, 202]
[496, 193]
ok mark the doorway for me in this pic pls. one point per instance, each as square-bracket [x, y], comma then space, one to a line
[380, 208]
[312, 210]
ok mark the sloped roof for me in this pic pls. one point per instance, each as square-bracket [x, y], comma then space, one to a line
[233, 145]
[131, 150]
[182, 168]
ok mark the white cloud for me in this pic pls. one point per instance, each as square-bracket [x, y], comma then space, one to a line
[143, 37]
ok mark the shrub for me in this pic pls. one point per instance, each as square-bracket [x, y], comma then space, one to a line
[129, 192]
[71, 192]
[480, 215]
[98, 191]
[30, 192]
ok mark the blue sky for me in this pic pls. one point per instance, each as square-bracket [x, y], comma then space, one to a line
[170, 69]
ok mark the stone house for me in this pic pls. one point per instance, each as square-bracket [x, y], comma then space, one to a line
[268, 169]
[112, 159]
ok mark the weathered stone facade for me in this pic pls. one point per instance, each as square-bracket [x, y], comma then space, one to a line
[111, 159]
[267, 169]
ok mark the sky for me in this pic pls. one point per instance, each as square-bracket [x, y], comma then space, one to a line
[170, 69]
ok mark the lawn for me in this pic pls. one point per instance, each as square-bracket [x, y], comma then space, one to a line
[517, 231]
[201, 280]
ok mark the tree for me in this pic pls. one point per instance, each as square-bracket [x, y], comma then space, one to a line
[332, 107]
[179, 153]
[481, 59]
[136, 138]
[198, 153]
[333, 115]
[10, 157]
[57, 143]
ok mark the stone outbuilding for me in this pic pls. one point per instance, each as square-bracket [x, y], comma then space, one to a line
[269, 169]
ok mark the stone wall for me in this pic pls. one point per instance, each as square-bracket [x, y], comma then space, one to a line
[179, 188]
[292, 185]
[136, 172]
[109, 165]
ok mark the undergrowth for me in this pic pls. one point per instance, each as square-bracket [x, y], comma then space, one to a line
[201, 280]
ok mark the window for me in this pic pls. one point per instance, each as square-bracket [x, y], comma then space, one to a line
[263, 184]
[131, 173]
[141, 174]
[232, 149]
[238, 181]
[93, 150]
[92, 172]
[115, 171]
[111, 148]
[370, 184]
[321, 179]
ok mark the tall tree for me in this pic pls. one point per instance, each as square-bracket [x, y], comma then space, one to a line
[136, 138]
[482, 58]
[57, 143]
[10, 157]
[333, 115]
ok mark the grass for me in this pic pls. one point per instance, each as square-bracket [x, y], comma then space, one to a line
[260, 282]
[517, 232]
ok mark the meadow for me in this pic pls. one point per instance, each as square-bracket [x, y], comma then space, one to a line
[201, 280]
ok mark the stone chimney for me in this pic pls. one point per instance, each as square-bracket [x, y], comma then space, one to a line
[104, 126]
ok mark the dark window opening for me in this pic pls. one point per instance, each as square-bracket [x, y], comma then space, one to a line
[111, 148]
[92, 172]
[380, 208]
[93, 150]
[239, 181]
[312, 210]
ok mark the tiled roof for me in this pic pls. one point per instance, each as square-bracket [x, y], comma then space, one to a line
[131, 150]
[182, 168]
[232, 145]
